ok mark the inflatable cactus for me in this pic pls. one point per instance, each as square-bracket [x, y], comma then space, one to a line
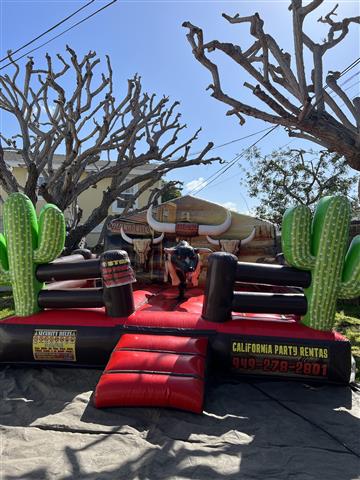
[28, 241]
[320, 246]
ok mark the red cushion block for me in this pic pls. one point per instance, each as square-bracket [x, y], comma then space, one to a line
[149, 390]
[158, 371]
[125, 360]
[168, 343]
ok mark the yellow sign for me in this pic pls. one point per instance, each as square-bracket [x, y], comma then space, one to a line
[54, 345]
[280, 349]
[287, 359]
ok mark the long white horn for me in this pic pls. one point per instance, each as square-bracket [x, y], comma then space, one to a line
[213, 241]
[216, 229]
[125, 237]
[159, 239]
[249, 238]
[159, 226]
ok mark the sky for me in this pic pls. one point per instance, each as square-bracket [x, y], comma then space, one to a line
[147, 37]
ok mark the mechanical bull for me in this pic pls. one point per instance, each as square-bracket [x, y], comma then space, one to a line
[183, 262]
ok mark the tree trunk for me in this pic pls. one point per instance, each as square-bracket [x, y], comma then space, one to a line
[31, 183]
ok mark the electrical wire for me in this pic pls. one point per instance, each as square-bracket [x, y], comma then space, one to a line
[221, 171]
[343, 72]
[351, 86]
[225, 168]
[350, 67]
[61, 33]
[238, 174]
[350, 78]
[233, 141]
[14, 52]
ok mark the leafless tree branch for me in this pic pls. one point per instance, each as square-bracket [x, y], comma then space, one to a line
[88, 124]
[283, 89]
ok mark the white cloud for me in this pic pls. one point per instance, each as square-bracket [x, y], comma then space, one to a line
[230, 206]
[195, 184]
[51, 109]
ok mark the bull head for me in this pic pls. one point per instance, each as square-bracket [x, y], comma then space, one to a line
[141, 246]
[183, 264]
[231, 246]
[202, 229]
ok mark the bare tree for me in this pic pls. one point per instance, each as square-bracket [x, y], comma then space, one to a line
[323, 120]
[88, 123]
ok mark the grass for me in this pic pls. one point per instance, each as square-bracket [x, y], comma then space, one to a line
[347, 322]
[6, 305]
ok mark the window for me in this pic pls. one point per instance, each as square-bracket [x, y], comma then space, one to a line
[40, 181]
[126, 196]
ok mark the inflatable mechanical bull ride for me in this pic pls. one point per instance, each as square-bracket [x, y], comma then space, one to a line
[157, 342]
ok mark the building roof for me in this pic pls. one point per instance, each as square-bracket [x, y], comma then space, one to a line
[14, 159]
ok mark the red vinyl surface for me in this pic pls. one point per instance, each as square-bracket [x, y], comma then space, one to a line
[166, 343]
[160, 371]
[158, 308]
[150, 390]
[148, 361]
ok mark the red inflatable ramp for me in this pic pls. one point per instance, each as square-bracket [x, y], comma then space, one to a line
[156, 371]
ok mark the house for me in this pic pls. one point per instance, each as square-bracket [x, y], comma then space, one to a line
[89, 199]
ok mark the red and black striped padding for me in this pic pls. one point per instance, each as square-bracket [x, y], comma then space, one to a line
[154, 370]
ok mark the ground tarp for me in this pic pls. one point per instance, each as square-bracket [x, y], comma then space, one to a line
[263, 430]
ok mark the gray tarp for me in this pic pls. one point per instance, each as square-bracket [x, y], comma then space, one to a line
[263, 430]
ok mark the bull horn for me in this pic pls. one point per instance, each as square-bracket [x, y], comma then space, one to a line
[159, 226]
[213, 241]
[216, 229]
[126, 237]
[249, 238]
[159, 239]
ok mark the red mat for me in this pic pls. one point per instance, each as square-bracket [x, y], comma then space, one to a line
[156, 371]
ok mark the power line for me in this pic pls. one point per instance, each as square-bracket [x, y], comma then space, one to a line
[221, 171]
[224, 169]
[239, 139]
[238, 174]
[61, 33]
[350, 67]
[351, 86]
[346, 89]
[350, 78]
[343, 72]
[46, 32]
[234, 141]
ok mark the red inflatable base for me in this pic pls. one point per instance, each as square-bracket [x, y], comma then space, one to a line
[157, 371]
[249, 344]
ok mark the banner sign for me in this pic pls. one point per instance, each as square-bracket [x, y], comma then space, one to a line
[287, 359]
[129, 228]
[54, 345]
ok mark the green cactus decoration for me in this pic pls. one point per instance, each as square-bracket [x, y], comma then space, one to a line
[320, 245]
[27, 243]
